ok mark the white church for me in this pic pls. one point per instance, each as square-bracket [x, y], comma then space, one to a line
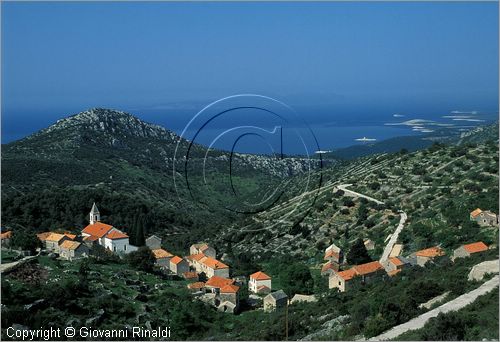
[106, 235]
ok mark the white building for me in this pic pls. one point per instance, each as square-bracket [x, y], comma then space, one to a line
[106, 235]
[259, 283]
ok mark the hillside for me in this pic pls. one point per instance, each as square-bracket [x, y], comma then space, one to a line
[436, 187]
[51, 178]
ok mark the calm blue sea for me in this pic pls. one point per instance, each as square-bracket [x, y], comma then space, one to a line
[331, 131]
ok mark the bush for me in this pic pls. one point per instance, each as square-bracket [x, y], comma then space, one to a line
[142, 259]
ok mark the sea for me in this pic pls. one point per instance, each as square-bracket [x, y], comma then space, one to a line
[306, 133]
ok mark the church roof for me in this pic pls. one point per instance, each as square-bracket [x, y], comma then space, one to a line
[98, 229]
[115, 235]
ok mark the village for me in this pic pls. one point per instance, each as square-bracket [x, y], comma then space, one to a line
[209, 279]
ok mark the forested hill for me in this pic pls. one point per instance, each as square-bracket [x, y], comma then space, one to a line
[51, 178]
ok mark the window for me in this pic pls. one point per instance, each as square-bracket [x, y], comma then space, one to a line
[124, 247]
[114, 248]
[340, 283]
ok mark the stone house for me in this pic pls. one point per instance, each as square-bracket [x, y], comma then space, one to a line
[341, 280]
[54, 240]
[364, 273]
[329, 268]
[275, 301]
[153, 242]
[71, 250]
[215, 283]
[208, 265]
[393, 265]
[203, 248]
[162, 257]
[178, 265]
[484, 218]
[429, 254]
[333, 253]
[5, 238]
[229, 298]
[469, 249]
[259, 283]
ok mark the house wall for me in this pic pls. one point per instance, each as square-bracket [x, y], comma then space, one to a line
[222, 272]
[254, 284]
[153, 243]
[460, 252]
[230, 297]
[117, 246]
[179, 268]
[421, 261]
[334, 281]
[163, 262]
[271, 304]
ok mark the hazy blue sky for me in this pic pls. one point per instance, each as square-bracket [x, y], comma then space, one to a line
[172, 58]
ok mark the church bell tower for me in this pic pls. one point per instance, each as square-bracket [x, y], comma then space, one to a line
[94, 214]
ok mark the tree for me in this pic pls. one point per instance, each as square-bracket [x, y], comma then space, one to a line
[25, 240]
[142, 259]
[358, 253]
[296, 278]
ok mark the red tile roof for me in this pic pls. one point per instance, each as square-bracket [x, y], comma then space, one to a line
[43, 236]
[175, 260]
[6, 235]
[69, 244]
[331, 254]
[54, 237]
[476, 212]
[198, 285]
[368, 268]
[161, 253]
[71, 236]
[430, 252]
[396, 261]
[476, 247]
[347, 274]
[116, 235]
[329, 266]
[260, 276]
[90, 238]
[98, 229]
[213, 263]
[218, 282]
[190, 275]
[196, 257]
[230, 289]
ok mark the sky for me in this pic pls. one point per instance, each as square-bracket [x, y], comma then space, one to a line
[333, 62]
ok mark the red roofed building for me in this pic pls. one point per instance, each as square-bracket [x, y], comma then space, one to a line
[259, 283]
[229, 298]
[178, 265]
[208, 265]
[365, 273]
[469, 249]
[106, 235]
[5, 238]
[215, 283]
[425, 255]
[393, 265]
[484, 218]
[329, 268]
